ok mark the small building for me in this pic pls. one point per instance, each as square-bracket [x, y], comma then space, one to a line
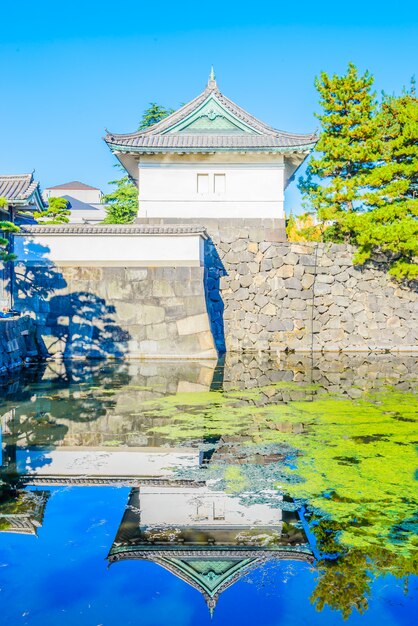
[211, 159]
[22, 193]
[85, 202]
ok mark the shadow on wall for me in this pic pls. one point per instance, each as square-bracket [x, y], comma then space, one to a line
[214, 269]
[76, 324]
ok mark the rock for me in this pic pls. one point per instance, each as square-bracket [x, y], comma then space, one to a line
[193, 324]
[293, 283]
[241, 294]
[269, 309]
[286, 271]
[307, 281]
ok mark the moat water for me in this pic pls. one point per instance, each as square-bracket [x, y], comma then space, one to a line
[246, 492]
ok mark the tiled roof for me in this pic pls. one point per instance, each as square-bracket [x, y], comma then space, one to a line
[74, 184]
[18, 188]
[163, 136]
[112, 229]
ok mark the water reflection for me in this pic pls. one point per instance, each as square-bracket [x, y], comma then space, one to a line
[206, 537]
[229, 467]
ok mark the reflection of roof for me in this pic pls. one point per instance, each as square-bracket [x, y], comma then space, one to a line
[74, 184]
[23, 512]
[20, 189]
[210, 122]
[209, 560]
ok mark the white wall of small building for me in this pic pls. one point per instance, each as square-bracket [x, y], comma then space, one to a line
[90, 196]
[110, 250]
[177, 506]
[253, 186]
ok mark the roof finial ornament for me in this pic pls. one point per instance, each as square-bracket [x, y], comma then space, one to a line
[212, 80]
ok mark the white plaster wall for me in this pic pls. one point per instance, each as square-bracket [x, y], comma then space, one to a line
[90, 196]
[103, 462]
[110, 250]
[95, 215]
[253, 188]
[178, 506]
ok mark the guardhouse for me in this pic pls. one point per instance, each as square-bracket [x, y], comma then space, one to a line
[211, 160]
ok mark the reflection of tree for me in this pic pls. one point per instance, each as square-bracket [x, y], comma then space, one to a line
[345, 573]
[351, 462]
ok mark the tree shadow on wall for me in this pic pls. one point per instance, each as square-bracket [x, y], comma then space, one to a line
[70, 324]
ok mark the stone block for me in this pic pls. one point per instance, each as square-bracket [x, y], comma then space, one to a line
[286, 271]
[269, 309]
[261, 300]
[157, 331]
[148, 314]
[193, 324]
[293, 283]
[291, 258]
[136, 274]
[162, 289]
[307, 281]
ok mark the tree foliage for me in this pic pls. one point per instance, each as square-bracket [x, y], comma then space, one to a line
[303, 228]
[6, 227]
[153, 114]
[57, 212]
[362, 181]
[122, 203]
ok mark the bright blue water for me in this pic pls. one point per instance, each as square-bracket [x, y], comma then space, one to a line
[60, 575]
[62, 578]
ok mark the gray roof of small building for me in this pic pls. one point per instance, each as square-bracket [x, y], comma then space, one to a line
[19, 188]
[161, 137]
[75, 184]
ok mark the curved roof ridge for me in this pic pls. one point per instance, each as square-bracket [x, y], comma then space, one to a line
[157, 137]
[168, 121]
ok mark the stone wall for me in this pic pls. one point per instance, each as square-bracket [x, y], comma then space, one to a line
[17, 343]
[306, 297]
[132, 312]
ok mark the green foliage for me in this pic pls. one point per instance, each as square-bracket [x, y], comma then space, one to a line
[57, 212]
[303, 228]
[352, 463]
[122, 203]
[153, 114]
[6, 227]
[346, 148]
[363, 183]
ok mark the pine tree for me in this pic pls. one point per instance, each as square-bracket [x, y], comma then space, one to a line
[389, 222]
[122, 203]
[364, 183]
[346, 149]
[155, 113]
[57, 212]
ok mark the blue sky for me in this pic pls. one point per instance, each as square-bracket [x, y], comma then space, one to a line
[68, 70]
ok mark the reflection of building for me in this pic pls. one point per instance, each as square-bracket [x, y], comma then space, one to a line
[22, 512]
[207, 538]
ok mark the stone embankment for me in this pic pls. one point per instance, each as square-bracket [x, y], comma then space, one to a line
[305, 297]
[17, 343]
